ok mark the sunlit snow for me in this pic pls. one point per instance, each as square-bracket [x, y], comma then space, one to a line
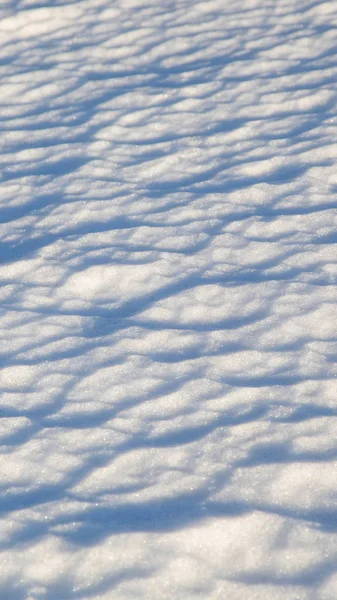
[168, 268]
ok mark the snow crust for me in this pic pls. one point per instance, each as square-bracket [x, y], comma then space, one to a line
[168, 297]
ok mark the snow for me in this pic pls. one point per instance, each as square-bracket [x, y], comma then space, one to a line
[168, 297]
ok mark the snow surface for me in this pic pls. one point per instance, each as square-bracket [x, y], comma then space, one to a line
[168, 299]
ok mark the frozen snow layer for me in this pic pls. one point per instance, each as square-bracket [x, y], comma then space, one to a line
[168, 296]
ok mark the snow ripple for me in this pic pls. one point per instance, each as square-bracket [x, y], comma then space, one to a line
[168, 299]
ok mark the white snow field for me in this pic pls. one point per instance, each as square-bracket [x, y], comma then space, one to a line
[168, 269]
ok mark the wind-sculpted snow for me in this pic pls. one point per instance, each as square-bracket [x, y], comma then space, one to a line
[168, 299]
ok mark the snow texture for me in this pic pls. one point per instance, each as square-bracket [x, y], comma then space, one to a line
[168, 272]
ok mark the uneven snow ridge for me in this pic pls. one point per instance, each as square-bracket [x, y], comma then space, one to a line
[168, 269]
